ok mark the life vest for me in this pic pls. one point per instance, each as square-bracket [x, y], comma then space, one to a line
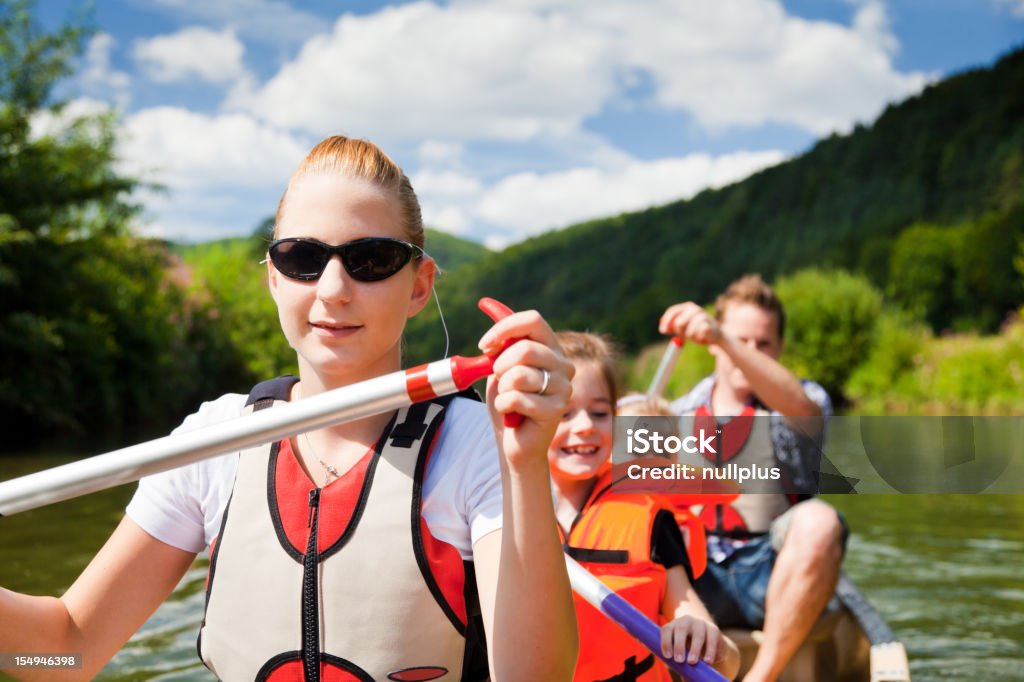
[342, 583]
[611, 538]
[744, 441]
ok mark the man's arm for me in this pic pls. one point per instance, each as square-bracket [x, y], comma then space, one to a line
[773, 384]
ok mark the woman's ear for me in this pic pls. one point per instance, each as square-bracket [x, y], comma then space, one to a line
[271, 278]
[422, 285]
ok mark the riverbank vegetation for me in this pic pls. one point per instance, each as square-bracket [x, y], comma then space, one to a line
[873, 357]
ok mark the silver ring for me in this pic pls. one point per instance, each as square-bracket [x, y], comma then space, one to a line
[544, 386]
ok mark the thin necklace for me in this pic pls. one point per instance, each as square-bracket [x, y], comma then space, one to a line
[332, 471]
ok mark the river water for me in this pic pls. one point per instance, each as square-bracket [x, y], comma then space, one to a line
[947, 572]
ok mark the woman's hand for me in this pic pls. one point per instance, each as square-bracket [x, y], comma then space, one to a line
[531, 378]
[692, 634]
[531, 610]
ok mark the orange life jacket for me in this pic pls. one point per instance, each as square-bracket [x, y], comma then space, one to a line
[611, 538]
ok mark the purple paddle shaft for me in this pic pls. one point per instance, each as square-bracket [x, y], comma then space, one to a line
[649, 634]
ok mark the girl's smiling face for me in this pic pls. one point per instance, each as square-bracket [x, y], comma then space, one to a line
[583, 441]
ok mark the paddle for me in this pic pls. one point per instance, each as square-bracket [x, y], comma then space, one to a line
[665, 367]
[888, 655]
[374, 396]
[602, 598]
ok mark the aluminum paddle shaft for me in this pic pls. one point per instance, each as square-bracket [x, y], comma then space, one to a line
[665, 367]
[374, 396]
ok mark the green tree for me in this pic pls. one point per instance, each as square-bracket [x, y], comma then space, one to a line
[923, 272]
[987, 284]
[229, 282]
[92, 334]
[831, 324]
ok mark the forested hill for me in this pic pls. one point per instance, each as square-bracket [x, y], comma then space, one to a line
[948, 164]
[449, 251]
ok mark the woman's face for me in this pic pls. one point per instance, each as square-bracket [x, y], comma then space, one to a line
[342, 328]
[583, 440]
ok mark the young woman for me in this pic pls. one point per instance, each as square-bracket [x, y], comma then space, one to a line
[630, 541]
[342, 554]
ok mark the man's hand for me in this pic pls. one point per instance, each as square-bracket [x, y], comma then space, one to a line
[690, 322]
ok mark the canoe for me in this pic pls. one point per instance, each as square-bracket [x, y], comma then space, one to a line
[849, 643]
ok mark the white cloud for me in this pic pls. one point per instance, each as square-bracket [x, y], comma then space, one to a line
[1014, 7]
[872, 23]
[747, 63]
[46, 122]
[527, 203]
[98, 77]
[213, 56]
[420, 70]
[221, 175]
[194, 215]
[446, 184]
[444, 199]
[432, 152]
[183, 149]
[268, 21]
[493, 69]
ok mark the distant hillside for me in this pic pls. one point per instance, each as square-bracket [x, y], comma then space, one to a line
[949, 162]
[448, 250]
[451, 252]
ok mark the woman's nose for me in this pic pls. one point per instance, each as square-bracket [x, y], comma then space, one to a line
[334, 282]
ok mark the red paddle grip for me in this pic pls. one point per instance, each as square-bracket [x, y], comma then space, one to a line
[496, 310]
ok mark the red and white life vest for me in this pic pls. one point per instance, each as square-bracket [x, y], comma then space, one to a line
[342, 583]
[746, 441]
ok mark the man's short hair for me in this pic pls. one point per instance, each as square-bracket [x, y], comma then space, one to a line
[752, 289]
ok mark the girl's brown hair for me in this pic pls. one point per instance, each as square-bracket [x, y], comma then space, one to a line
[587, 347]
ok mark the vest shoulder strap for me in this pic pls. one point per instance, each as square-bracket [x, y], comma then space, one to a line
[279, 388]
[265, 393]
[404, 435]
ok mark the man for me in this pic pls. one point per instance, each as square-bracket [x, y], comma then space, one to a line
[774, 557]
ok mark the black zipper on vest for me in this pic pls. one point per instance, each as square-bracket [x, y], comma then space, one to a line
[310, 598]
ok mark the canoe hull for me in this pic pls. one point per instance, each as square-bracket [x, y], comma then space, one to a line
[836, 650]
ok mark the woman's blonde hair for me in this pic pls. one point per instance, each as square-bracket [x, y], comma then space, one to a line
[339, 155]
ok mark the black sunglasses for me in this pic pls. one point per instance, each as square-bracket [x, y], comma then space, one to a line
[365, 260]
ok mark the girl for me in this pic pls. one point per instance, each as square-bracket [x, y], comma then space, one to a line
[343, 554]
[630, 541]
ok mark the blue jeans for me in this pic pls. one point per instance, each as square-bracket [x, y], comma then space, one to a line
[734, 590]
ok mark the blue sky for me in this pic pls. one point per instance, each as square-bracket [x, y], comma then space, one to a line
[512, 117]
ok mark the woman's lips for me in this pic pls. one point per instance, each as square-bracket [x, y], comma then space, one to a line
[334, 330]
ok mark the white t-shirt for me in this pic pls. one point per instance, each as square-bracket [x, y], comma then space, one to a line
[461, 488]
